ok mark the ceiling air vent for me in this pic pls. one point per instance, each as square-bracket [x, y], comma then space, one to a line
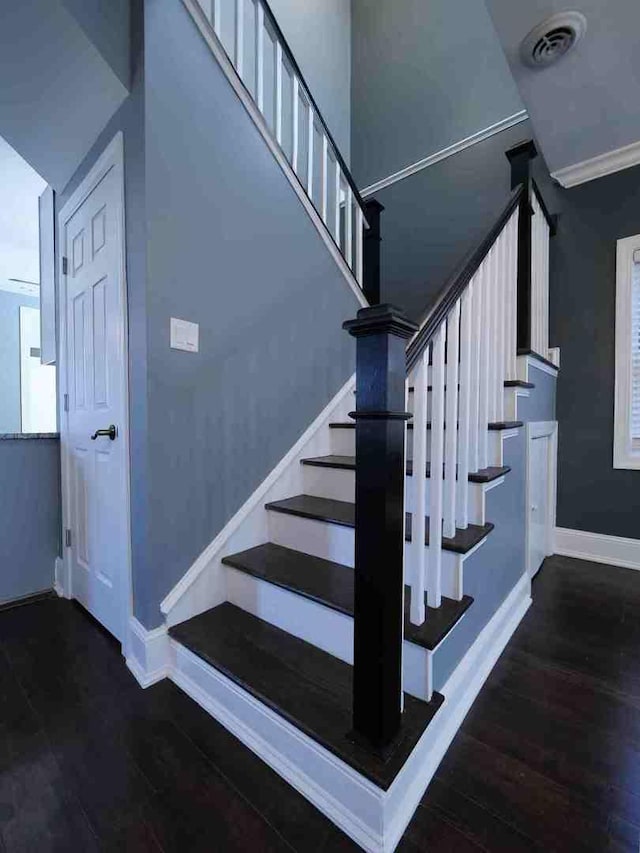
[552, 39]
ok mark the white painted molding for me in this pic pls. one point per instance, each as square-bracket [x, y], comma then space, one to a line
[626, 453]
[538, 430]
[374, 818]
[438, 156]
[527, 362]
[598, 167]
[598, 547]
[252, 513]
[195, 10]
[148, 653]
[59, 579]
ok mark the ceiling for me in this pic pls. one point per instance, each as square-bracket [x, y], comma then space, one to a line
[587, 104]
[20, 187]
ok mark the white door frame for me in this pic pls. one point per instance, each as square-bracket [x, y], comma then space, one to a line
[112, 158]
[542, 429]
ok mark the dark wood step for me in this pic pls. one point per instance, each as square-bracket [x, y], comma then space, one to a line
[343, 513]
[348, 463]
[306, 686]
[495, 426]
[331, 584]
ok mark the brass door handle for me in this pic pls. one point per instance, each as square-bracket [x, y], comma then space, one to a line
[111, 432]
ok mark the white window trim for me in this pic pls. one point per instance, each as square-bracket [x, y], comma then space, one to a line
[624, 454]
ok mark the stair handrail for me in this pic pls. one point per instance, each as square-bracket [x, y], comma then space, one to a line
[457, 282]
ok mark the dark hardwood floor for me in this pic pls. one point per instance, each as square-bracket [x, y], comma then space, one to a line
[548, 759]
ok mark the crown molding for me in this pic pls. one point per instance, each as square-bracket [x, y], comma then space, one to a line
[598, 167]
[449, 151]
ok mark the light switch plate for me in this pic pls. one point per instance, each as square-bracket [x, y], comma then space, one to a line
[184, 335]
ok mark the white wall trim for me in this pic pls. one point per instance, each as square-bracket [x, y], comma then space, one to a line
[626, 453]
[449, 151]
[148, 653]
[598, 167]
[203, 25]
[373, 818]
[598, 547]
[255, 504]
[60, 581]
[526, 362]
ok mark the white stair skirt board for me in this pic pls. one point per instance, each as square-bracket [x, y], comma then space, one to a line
[598, 547]
[373, 818]
[511, 402]
[497, 439]
[196, 12]
[203, 586]
[147, 653]
[335, 542]
[527, 365]
[323, 627]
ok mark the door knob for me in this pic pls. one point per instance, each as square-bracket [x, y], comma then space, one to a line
[111, 432]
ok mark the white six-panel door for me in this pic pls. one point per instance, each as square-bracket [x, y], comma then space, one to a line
[96, 468]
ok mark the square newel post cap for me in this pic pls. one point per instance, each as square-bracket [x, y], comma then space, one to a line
[520, 156]
[372, 204]
[380, 319]
[522, 149]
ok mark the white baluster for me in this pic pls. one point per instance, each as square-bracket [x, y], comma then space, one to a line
[338, 177]
[348, 251]
[418, 517]
[464, 416]
[310, 146]
[476, 325]
[514, 286]
[485, 340]
[547, 236]
[295, 121]
[279, 93]
[239, 37]
[434, 564]
[325, 175]
[451, 423]
[260, 56]
[217, 18]
[359, 244]
[502, 324]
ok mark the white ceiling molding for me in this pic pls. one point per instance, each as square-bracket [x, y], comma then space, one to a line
[598, 167]
[456, 148]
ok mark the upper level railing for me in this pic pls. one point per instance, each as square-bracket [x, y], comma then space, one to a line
[451, 377]
[256, 48]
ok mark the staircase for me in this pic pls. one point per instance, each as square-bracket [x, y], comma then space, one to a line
[315, 641]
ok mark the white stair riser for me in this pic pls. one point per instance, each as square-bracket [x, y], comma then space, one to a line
[335, 542]
[319, 625]
[343, 443]
[339, 484]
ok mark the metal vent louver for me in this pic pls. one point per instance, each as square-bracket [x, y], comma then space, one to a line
[552, 39]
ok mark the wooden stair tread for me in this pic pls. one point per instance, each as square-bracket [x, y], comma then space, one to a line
[331, 584]
[306, 686]
[348, 463]
[494, 426]
[343, 513]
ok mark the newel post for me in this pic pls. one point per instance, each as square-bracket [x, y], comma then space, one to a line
[381, 333]
[372, 240]
[520, 157]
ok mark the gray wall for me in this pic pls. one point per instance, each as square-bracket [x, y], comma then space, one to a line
[319, 34]
[55, 84]
[230, 247]
[425, 74]
[433, 218]
[10, 358]
[592, 495]
[30, 517]
[106, 23]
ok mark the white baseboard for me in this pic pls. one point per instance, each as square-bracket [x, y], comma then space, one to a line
[148, 653]
[373, 818]
[58, 578]
[598, 547]
[204, 584]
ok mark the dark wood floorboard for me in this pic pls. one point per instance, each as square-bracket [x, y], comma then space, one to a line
[548, 759]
